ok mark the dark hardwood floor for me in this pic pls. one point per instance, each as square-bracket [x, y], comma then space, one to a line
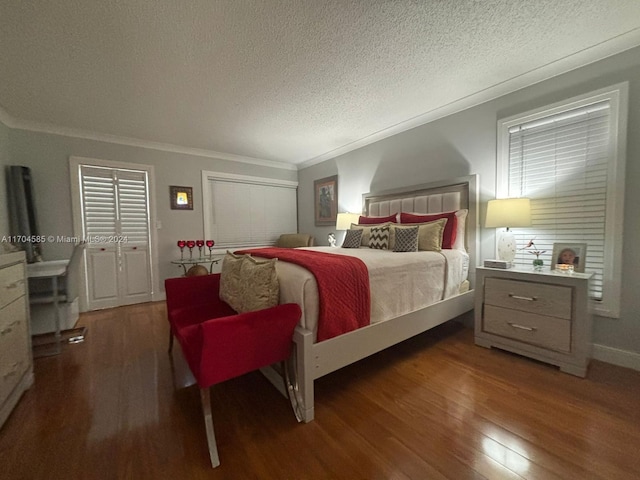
[434, 407]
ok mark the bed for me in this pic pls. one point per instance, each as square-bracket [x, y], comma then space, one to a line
[394, 321]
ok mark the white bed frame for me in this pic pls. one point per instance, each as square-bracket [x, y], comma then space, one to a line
[314, 360]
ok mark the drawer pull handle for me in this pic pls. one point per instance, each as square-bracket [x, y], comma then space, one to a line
[13, 285]
[522, 327]
[518, 297]
[9, 327]
[14, 370]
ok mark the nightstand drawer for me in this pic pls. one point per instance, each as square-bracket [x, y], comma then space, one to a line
[550, 300]
[12, 284]
[14, 346]
[547, 332]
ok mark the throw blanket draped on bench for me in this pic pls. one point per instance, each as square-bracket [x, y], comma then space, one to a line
[343, 287]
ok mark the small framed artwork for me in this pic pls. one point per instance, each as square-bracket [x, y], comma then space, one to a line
[566, 255]
[181, 198]
[326, 200]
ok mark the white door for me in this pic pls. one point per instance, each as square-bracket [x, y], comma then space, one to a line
[115, 222]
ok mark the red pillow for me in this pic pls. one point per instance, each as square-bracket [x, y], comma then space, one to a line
[450, 229]
[375, 220]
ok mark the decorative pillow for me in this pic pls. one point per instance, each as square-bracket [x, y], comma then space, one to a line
[379, 238]
[259, 280]
[377, 220]
[430, 235]
[366, 232]
[406, 239]
[352, 239]
[450, 230]
[230, 280]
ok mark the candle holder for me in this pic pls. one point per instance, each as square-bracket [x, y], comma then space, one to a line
[181, 244]
[565, 268]
[210, 244]
[200, 244]
[190, 245]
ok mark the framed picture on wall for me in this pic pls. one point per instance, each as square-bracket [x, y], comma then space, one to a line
[574, 254]
[181, 198]
[326, 200]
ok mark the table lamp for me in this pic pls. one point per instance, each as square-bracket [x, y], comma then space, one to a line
[508, 213]
[343, 222]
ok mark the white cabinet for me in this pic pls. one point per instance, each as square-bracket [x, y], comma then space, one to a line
[542, 315]
[16, 364]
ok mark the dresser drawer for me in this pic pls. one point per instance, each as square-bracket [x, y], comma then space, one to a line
[12, 283]
[543, 299]
[547, 332]
[15, 355]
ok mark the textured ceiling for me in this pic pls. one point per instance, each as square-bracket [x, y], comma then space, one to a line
[287, 81]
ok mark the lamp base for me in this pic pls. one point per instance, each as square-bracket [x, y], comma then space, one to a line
[507, 246]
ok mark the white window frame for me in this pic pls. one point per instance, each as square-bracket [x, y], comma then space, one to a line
[617, 95]
[246, 179]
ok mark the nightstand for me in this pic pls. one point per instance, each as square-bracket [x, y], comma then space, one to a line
[542, 315]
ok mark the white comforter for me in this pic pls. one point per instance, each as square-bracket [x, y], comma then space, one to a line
[400, 283]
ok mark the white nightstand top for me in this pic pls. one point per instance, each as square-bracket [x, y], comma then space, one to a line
[545, 272]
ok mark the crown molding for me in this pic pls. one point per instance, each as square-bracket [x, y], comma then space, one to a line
[608, 48]
[48, 128]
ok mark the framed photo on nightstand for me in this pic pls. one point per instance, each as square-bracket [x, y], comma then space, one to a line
[573, 254]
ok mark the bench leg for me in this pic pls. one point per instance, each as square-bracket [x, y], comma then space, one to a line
[291, 386]
[205, 398]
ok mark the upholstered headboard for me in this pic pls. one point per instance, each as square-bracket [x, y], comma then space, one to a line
[437, 197]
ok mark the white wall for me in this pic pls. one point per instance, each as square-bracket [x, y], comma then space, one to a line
[465, 143]
[48, 157]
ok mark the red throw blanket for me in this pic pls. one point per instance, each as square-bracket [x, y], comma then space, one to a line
[343, 287]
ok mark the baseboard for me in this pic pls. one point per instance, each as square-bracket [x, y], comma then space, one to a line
[615, 356]
[159, 297]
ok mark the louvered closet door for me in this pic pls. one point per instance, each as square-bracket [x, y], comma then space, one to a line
[133, 213]
[116, 223]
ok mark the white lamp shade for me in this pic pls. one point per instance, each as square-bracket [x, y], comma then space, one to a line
[345, 220]
[508, 212]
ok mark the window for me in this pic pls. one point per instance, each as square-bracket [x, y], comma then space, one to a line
[243, 211]
[569, 160]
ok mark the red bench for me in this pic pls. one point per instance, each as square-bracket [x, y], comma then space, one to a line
[218, 343]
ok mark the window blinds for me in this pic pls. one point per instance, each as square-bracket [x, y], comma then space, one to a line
[115, 205]
[560, 162]
[99, 202]
[249, 213]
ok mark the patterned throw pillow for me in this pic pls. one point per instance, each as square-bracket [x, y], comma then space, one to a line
[230, 281]
[352, 239]
[379, 238]
[406, 240]
[260, 286]
[366, 231]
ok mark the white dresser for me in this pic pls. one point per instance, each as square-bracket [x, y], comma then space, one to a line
[16, 364]
[543, 315]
